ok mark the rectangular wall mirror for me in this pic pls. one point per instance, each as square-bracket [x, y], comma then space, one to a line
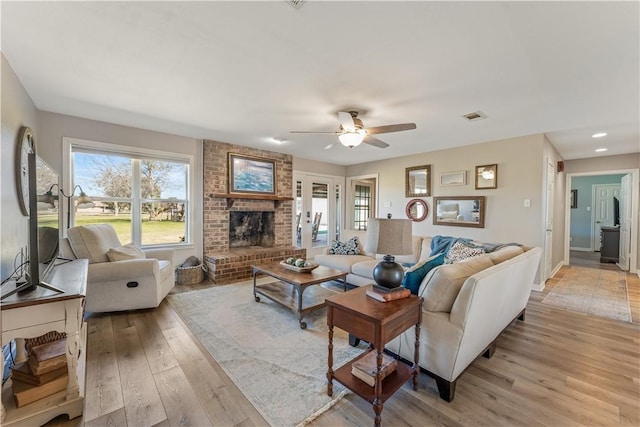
[461, 211]
[418, 181]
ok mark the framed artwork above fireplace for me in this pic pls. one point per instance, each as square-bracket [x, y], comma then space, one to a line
[251, 175]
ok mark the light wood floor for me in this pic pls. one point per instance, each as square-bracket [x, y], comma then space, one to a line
[557, 368]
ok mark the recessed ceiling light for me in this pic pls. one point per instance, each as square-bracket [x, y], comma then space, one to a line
[599, 135]
[599, 150]
[278, 140]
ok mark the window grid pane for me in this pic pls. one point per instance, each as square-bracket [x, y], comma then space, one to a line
[161, 191]
[362, 207]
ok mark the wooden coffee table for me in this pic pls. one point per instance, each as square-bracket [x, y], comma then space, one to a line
[296, 290]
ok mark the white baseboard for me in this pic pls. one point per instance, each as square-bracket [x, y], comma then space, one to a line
[581, 249]
[537, 287]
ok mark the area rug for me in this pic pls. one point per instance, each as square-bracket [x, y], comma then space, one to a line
[589, 290]
[279, 367]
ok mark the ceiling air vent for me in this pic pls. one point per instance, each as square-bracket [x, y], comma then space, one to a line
[295, 3]
[475, 116]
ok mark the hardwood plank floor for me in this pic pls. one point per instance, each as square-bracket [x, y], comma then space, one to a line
[557, 368]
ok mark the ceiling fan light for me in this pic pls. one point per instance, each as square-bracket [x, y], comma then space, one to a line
[351, 139]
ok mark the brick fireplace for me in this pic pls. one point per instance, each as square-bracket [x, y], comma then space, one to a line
[232, 223]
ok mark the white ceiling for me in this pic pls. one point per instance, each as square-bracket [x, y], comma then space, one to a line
[244, 72]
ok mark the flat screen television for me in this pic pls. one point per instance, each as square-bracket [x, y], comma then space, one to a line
[616, 212]
[44, 220]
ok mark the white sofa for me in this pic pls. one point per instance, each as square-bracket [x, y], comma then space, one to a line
[466, 306]
[118, 285]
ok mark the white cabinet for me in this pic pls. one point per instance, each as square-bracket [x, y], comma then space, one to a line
[39, 312]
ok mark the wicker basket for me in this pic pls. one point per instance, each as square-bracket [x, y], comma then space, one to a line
[190, 275]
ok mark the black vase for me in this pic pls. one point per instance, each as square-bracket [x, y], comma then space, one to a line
[388, 273]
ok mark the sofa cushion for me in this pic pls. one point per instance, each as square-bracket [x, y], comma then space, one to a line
[413, 276]
[340, 262]
[364, 268]
[125, 252]
[93, 241]
[350, 247]
[443, 285]
[425, 248]
[505, 253]
[460, 251]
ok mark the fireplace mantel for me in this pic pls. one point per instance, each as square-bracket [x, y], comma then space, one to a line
[232, 197]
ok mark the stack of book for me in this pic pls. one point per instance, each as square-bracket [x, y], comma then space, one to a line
[366, 367]
[43, 374]
[383, 294]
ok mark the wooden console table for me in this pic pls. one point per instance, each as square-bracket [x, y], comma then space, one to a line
[34, 314]
[377, 323]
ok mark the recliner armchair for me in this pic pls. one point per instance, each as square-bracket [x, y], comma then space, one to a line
[118, 285]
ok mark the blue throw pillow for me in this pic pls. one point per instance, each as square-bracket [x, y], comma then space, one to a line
[413, 277]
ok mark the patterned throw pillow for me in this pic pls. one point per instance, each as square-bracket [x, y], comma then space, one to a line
[413, 276]
[461, 251]
[350, 247]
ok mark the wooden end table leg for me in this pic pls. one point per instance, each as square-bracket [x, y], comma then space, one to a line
[330, 363]
[303, 325]
[377, 401]
[416, 357]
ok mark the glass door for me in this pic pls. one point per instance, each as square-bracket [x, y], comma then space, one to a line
[314, 219]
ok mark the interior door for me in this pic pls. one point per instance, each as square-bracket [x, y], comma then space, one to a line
[315, 213]
[625, 222]
[603, 209]
[548, 237]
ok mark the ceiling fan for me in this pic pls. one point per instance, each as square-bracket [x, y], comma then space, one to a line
[352, 132]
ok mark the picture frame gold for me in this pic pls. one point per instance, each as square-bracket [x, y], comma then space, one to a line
[417, 181]
[486, 177]
[251, 175]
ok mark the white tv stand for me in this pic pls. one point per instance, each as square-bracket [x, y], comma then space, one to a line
[39, 312]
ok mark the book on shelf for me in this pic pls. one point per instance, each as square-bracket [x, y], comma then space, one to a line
[366, 367]
[48, 357]
[24, 394]
[389, 296]
[22, 372]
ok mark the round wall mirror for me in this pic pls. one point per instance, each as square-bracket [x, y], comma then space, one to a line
[417, 210]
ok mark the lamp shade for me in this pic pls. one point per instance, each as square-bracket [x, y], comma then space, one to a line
[389, 236]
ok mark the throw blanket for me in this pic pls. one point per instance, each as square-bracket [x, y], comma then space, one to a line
[441, 244]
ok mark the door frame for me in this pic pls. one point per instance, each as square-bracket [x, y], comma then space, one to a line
[635, 179]
[335, 209]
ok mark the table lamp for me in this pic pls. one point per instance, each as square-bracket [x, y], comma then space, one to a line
[390, 237]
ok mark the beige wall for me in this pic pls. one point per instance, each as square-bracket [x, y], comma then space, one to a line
[17, 110]
[312, 166]
[609, 163]
[53, 127]
[520, 173]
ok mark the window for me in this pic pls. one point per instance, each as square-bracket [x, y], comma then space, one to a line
[145, 198]
[362, 199]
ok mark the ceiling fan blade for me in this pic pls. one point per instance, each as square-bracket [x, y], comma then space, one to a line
[346, 121]
[390, 128]
[304, 131]
[375, 142]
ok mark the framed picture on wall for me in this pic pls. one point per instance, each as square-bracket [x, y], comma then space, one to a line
[253, 175]
[574, 199]
[453, 178]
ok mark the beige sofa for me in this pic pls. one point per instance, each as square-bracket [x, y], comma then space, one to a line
[466, 307]
[118, 285]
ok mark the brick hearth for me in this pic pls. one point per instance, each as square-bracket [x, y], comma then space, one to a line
[227, 265]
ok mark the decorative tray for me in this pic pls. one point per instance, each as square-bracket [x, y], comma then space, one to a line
[307, 269]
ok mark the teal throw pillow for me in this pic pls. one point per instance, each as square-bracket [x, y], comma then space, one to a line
[413, 277]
